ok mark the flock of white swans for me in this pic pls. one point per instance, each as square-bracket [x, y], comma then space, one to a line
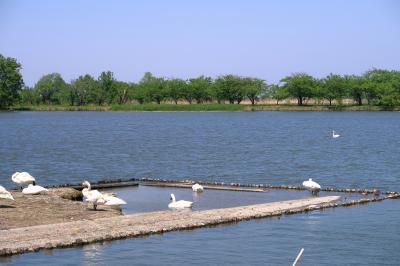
[96, 197]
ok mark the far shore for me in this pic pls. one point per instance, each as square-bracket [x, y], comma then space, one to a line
[168, 107]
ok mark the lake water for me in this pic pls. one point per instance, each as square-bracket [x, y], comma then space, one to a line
[254, 147]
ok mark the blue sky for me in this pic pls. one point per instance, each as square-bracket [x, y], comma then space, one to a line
[266, 39]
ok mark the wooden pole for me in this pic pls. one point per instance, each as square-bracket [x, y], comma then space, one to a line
[298, 257]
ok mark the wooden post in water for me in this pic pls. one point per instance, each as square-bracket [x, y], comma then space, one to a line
[298, 257]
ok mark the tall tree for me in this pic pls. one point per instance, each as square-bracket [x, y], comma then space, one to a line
[10, 81]
[49, 88]
[122, 89]
[155, 88]
[200, 88]
[355, 88]
[231, 88]
[333, 87]
[254, 88]
[106, 83]
[279, 93]
[176, 89]
[83, 90]
[300, 86]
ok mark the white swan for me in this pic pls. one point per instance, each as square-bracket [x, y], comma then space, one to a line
[98, 198]
[23, 179]
[197, 188]
[114, 201]
[33, 190]
[312, 186]
[334, 135]
[181, 204]
[4, 194]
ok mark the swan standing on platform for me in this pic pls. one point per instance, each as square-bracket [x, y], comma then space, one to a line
[334, 135]
[33, 190]
[197, 188]
[181, 204]
[97, 198]
[312, 186]
[23, 179]
[4, 194]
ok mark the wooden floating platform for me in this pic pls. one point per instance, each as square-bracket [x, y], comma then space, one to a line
[33, 238]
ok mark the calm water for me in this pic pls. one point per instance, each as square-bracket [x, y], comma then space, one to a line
[260, 147]
[144, 199]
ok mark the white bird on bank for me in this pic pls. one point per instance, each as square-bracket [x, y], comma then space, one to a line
[33, 190]
[97, 198]
[197, 188]
[23, 179]
[4, 194]
[334, 135]
[312, 186]
[180, 204]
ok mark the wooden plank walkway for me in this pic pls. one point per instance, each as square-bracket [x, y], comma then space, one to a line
[28, 239]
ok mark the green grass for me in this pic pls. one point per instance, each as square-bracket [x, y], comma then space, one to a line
[178, 107]
[43, 107]
[198, 107]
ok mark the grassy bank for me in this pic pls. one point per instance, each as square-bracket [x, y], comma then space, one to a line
[198, 108]
[138, 107]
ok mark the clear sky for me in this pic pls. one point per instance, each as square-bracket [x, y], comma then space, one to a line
[265, 39]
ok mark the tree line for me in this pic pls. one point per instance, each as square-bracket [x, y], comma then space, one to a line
[376, 86]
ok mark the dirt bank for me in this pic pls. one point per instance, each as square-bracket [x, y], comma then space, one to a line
[50, 208]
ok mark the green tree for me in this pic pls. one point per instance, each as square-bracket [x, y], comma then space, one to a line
[50, 87]
[83, 90]
[254, 88]
[176, 89]
[231, 88]
[122, 89]
[333, 87]
[300, 86]
[138, 93]
[106, 82]
[355, 88]
[29, 96]
[200, 88]
[155, 88]
[279, 93]
[10, 81]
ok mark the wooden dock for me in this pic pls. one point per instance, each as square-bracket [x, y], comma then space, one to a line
[66, 234]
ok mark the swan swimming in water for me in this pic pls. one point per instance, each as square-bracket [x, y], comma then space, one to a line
[23, 179]
[334, 135]
[98, 198]
[181, 204]
[33, 190]
[4, 194]
[197, 188]
[312, 186]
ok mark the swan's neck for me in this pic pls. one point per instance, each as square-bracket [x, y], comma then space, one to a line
[173, 198]
[13, 177]
[85, 191]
